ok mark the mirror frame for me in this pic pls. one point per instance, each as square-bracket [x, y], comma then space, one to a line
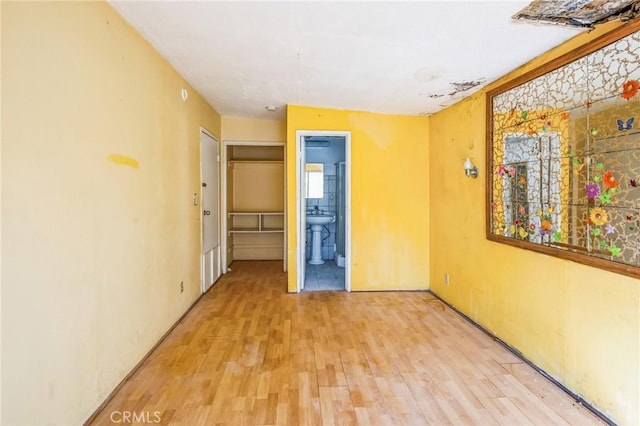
[571, 56]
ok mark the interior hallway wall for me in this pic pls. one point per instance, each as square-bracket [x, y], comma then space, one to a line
[389, 195]
[253, 129]
[580, 324]
[100, 161]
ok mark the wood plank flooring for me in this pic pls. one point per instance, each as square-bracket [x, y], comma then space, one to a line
[251, 354]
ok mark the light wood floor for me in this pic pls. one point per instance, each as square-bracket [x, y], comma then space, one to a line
[251, 354]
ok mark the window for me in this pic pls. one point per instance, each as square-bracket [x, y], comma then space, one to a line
[314, 180]
[563, 156]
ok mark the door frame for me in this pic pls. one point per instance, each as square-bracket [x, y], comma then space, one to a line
[203, 285]
[224, 212]
[301, 204]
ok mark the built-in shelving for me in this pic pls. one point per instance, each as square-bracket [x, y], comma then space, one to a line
[256, 222]
[255, 162]
[255, 200]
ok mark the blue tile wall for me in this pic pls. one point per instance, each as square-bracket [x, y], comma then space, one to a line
[328, 204]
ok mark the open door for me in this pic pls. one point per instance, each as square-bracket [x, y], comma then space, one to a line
[210, 209]
[301, 213]
[342, 256]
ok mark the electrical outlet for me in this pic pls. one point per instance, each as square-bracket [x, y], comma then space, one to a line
[446, 278]
[181, 286]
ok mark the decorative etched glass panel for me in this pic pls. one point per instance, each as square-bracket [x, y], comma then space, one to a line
[564, 157]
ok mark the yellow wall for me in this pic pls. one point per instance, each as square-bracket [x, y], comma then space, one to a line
[389, 195]
[97, 245]
[253, 130]
[578, 323]
[1, 219]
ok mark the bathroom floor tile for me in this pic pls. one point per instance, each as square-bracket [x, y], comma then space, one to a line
[327, 276]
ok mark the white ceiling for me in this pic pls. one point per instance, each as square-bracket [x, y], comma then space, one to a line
[389, 57]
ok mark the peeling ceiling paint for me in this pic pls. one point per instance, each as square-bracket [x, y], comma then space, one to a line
[463, 86]
[579, 13]
[458, 87]
[387, 57]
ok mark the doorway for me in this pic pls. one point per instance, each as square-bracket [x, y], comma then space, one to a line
[323, 210]
[253, 202]
[209, 209]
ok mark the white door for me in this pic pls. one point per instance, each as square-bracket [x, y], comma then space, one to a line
[210, 210]
[302, 214]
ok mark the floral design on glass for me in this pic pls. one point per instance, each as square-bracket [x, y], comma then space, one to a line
[630, 89]
[598, 218]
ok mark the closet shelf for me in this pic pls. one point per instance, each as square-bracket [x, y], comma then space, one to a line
[249, 213]
[244, 222]
[255, 197]
[255, 162]
[254, 231]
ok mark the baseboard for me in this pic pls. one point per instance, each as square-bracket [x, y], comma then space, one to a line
[517, 353]
[141, 362]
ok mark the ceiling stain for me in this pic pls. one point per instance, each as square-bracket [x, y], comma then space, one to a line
[295, 69]
[426, 74]
[463, 86]
[458, 87]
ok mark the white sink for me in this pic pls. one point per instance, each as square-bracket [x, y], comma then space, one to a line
[317, 221]
[320, 219]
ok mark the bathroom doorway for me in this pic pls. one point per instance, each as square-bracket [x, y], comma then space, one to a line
[323, 176]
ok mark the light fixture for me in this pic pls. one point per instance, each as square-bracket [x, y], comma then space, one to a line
[271, 108]
[469, 169]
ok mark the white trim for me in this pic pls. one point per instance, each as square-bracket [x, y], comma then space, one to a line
[208, 133]
[286, 240]
[223, 207]
[223, 204]
[347, 213]
[300, 223]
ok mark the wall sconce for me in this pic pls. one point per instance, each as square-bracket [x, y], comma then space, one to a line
[469, 169]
